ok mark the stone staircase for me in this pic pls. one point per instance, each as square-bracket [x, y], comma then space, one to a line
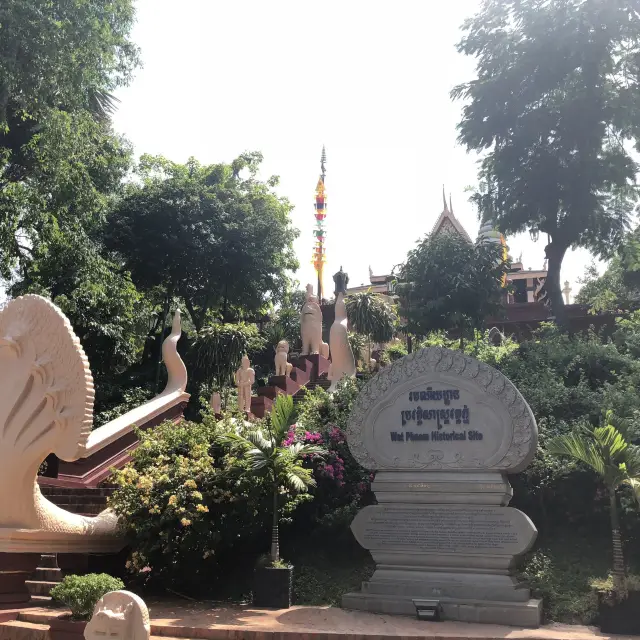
[308, 372]
[86, 502]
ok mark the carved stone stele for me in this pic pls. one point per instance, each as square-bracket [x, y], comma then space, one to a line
[497, 409]
[119, 615]
[442, 431]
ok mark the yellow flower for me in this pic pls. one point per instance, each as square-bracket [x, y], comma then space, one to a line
[184, 522]
[197, 495]
[190, 484]
[173, 501]
[202, 508]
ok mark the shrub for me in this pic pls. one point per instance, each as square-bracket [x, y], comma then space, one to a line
[190, 505]
[81, 593]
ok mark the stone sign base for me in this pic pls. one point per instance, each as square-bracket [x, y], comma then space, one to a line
[518, 614]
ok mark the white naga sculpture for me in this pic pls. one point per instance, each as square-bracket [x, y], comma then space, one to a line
[245, 377]
[311, 324]
[46, 406]
[119, 615]
[342, 361]
[281, 359]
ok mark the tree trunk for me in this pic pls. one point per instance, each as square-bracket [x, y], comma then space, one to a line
[555, 254]
[618, 557]
[275, 543]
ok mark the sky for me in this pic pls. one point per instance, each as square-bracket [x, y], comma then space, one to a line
[370, 80]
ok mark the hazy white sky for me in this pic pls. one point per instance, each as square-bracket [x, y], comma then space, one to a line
[367, 78]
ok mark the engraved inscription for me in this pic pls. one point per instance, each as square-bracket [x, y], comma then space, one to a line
[432, 529]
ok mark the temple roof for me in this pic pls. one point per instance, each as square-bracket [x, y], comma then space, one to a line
[447, 222]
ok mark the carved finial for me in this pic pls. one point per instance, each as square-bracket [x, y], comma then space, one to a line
[444, 199]
[177, 372]
[450, 204]
[323, 160]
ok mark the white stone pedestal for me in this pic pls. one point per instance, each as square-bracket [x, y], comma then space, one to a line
[447, 537]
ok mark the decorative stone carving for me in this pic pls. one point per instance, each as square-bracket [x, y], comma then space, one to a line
[324, 350]
[310, 324]
[343, 363]
[245, 377]
[176, 371]
[442, 430]
[216, 403]
[119, 615]
[46, 406]
[493, 405]
[282, 354]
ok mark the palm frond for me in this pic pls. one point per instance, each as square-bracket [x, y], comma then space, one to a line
[298, 478]
[610, 441]
[257, 439]
[281, 415]
[634, 483]
[579, 447]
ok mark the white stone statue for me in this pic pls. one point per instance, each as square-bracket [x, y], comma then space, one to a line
[216, 403]
[324, 350]
[282, 354]
[245, 377]
[373, 364]
[46, 406]
[311, 324]
[119, 615]
[289, 370]
[342, 361]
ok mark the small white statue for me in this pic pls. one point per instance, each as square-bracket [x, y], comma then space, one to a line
[324, 350]
[119, 615]
[245, 377]
[289, 370]
[342, 361]
[311, 324]
[373, 364]
[216, 403]
[282, 354]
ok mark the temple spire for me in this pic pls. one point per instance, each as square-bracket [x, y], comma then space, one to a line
[444, 199]
[450, 204]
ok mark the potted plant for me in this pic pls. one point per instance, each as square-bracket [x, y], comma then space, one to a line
[608, 452]
[265, 447]
[80, 594]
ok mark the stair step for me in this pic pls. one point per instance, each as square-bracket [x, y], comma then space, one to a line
[19, 630]
[48, 561]
[47, 574]
[40, 587]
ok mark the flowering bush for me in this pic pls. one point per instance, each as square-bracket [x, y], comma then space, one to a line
[187, 502]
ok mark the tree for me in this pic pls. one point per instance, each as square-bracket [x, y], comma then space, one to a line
[268, 455]
[220, 240]
[59, 63]
[370, 316]
[616, 461]
[553, 107]
[448, 283]
[106, 311]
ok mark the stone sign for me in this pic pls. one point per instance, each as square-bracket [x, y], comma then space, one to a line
[442, 430]
[440, 409]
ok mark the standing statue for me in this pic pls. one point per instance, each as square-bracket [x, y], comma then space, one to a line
[324, 350]
[311, 324]
[216, 403]
[245, 377]
[282, 354]
[342, 361]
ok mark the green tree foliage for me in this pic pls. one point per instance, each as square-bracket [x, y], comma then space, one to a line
[214, 235]
[106, 311]
[553, 106]
[59, 61]
[618, 289]
[267, 453]
[608, 452]
[448, 283]
[371, 316]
